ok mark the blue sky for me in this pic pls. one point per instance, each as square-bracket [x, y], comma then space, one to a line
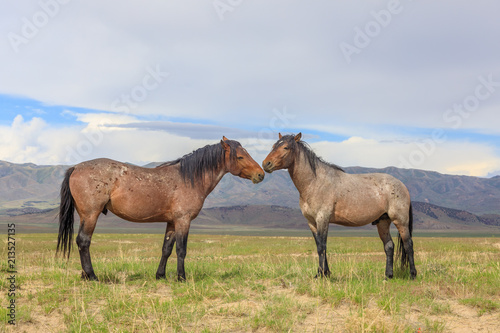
[373, 83]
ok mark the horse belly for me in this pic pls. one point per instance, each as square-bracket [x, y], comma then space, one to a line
[138, 212]
[359, 212]
[141, 203]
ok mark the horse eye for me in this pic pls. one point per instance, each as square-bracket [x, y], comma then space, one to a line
[240, 157]
[286, 148]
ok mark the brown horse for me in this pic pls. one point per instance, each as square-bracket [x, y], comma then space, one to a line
[173, 192]
[329, 195]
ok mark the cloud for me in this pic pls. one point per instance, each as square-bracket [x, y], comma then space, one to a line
[448, 157]
[237, 70]
[96, 120]
[190, 130]
[32, 141]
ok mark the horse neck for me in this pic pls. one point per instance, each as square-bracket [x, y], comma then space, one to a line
[206, 184]
[301, 173]
[211, 179]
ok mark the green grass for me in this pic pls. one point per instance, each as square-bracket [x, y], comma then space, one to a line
[237, 283]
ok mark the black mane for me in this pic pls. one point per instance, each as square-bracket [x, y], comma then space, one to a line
[311, 157]
[206, 159]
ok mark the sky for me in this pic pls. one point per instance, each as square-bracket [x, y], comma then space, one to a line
[410, 83]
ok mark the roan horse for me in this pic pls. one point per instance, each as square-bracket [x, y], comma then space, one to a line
[329, 195]
[173, 192]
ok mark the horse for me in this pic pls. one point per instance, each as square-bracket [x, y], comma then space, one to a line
[330, 195]
[173, 192]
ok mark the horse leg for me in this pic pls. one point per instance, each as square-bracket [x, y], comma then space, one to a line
[87, 226]
[181, 237]
[168, 244]
[323, 269]
[320, 234]
[407, 252]
[383, 227]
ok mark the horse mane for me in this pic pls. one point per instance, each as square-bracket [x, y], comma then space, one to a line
[210, 158]
[311, 157]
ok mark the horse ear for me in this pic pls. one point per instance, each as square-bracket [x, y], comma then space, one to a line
[224, 138]
[280, 136]
[297, 137]
[224, 144]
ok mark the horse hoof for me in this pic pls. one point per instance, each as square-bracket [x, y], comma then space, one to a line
[160, 276]
[320, 275]
[92, 277]
[181, 278]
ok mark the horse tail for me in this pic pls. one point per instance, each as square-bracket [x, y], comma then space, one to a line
[66, 216]
[401, 253]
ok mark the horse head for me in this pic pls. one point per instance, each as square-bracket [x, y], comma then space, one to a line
[239, 162]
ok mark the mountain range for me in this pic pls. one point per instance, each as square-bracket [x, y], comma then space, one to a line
[440, 201]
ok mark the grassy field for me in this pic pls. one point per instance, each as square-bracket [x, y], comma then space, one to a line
[254, 284]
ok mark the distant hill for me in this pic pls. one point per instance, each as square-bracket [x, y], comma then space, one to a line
[426, 217]
[31, 186]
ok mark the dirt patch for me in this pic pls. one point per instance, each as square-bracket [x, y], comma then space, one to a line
[164, 294]
[41, 322]
[209, 241]
[324, 317]
[464, 319]
[123, 242]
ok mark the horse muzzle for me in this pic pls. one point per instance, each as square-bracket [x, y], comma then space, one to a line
[258, 178]
[268, 166]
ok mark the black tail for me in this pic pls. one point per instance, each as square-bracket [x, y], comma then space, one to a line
[401, 249]
[66, 216]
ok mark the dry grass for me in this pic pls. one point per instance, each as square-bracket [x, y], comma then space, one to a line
[256, 284]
